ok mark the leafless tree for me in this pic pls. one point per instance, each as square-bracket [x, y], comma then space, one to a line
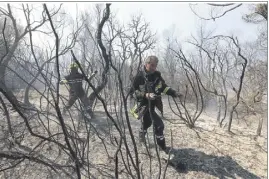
[27, 12]
[38, 140]
[21, 150]
[217, 70]
[185, 112]
[170, 64]
[254, 86]
[242, 61]
[258, 14]
[19, 34]
[141, 39]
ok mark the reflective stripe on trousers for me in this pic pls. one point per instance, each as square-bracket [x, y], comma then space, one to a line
[160, 137]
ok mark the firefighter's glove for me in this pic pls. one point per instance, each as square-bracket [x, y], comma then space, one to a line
[151, 96]
[62, 82]
[177, 95]
[180, 96]
[94, 73]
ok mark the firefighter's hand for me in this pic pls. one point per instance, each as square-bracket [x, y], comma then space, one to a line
[177, 95]
[94, 73]
[180, 96]
[61, 82]
[151, 96]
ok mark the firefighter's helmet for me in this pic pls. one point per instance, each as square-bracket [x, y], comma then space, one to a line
[73, 65]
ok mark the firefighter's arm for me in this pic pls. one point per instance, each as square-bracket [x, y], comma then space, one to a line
[64, 81]
[172, 92]
[135, 88]
[168, 90]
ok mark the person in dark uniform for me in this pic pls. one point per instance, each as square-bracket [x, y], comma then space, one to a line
[76, 91]
[147, 88]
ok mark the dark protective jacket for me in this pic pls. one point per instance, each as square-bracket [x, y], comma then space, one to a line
[74, 79]
[148, 83]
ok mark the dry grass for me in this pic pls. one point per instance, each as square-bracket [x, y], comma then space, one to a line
[206, 151]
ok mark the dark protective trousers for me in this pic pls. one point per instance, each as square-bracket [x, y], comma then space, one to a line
[73, 96]
[154, 118]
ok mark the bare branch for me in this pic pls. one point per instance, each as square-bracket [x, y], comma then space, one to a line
[74, 156]
[227, 4]
[216, 17]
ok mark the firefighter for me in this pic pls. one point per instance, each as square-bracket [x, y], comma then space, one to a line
[76, 91]
[147, 88]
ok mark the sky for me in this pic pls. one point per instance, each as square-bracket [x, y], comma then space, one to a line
[163, 16]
